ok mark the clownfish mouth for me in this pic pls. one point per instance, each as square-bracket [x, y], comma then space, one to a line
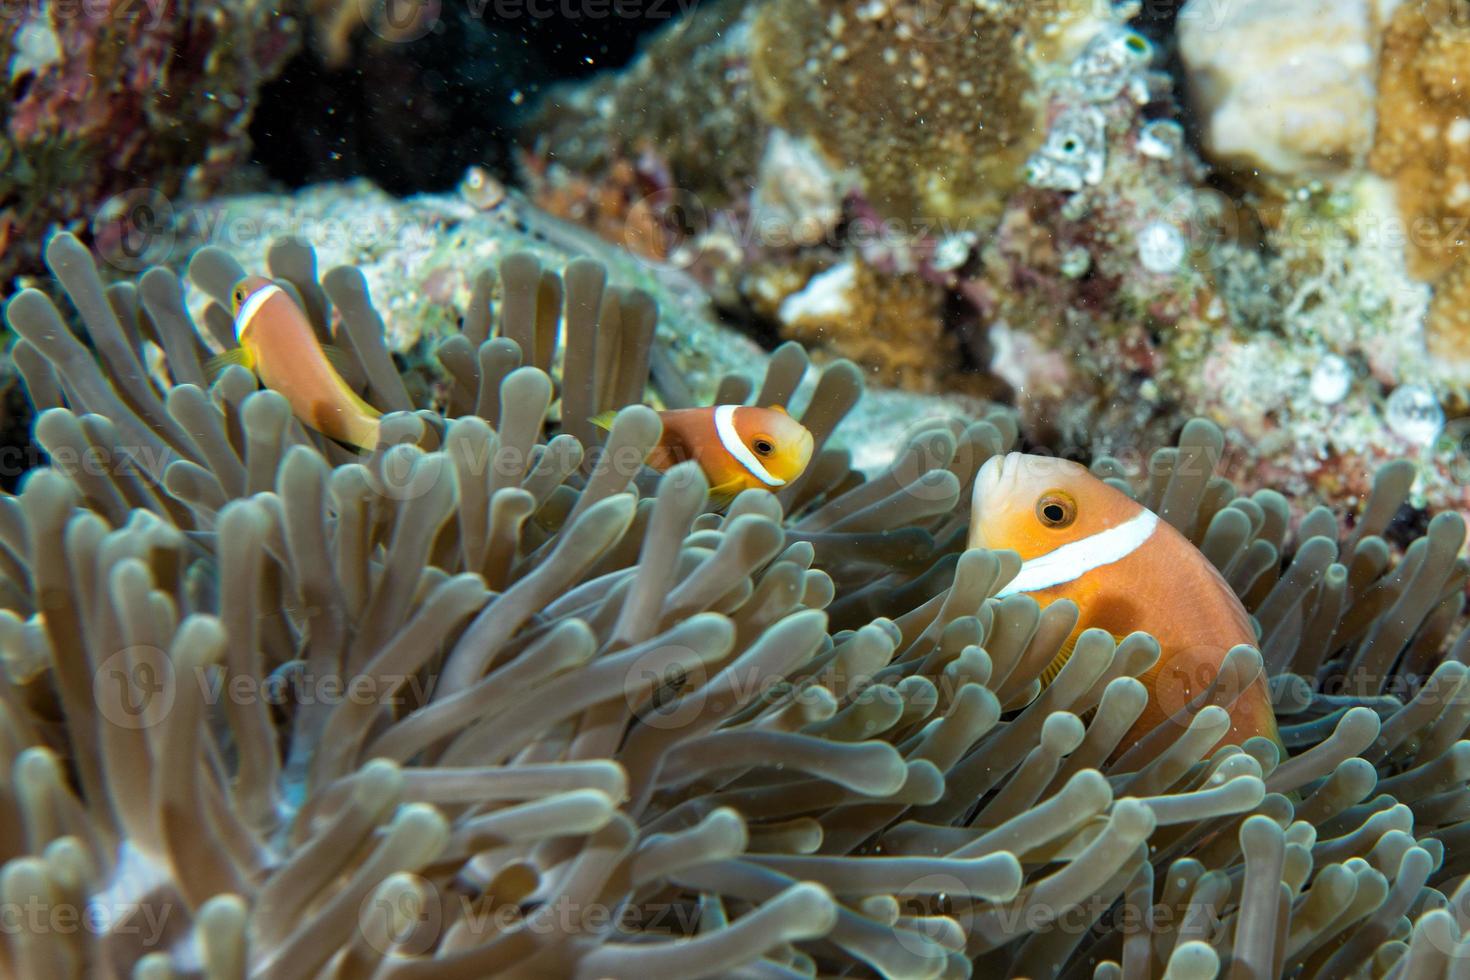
[987, 491]
[805, 448]
[995, 485]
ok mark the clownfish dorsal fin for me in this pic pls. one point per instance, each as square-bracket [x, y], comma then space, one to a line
[777, 408]
[216, 365]
[604, 420]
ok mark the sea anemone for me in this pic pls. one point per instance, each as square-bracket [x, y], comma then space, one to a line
[493, 699]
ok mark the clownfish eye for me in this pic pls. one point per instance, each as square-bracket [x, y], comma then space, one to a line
[1056, 509]
[763, 446]
[240, 294]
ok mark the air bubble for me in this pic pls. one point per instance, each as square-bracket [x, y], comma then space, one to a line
[1161, 139]
[1160, 247]
[1414, 414]
[1331, 379]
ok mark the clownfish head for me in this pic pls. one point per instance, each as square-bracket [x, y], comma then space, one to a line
[247, 296]
[481, 189]
[771, 445]
[1034, 505]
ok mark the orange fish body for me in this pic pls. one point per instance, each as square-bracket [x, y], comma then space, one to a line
[278, 344]
[1126, 570]
[739, 447]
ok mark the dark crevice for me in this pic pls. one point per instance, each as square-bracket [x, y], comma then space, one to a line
[411, 116]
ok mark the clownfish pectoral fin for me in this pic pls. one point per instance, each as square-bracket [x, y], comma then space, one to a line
[1058, 662]
[722, 494]
[604, 421]
[216, 365]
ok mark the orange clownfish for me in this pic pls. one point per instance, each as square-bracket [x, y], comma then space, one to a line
[1126, 570]
[278, 344]
[739, 447]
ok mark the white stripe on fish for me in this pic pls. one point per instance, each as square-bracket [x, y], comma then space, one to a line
[1072, 561]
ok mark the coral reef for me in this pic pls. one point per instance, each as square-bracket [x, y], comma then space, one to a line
[486, 701]
[686, 102]
[125, 105]
[1093, 282]
[1278, 98]
[891, 325]
[937, 127]
[1120, 288]
[1423, 146]
[932, 107]
[798, 196]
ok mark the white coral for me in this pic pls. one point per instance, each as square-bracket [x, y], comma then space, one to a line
[1284, 86]
[798, 198]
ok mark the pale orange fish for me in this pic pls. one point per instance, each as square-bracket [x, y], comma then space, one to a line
[739, 447]
[481, 189]
[1126, 570]
[278, 344]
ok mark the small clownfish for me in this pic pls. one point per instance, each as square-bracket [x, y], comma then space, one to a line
[481, 189]
[739, 447]
[1126, 570]
[278, 344]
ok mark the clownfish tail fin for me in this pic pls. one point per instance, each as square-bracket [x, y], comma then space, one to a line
[604, 420]
[216, 365]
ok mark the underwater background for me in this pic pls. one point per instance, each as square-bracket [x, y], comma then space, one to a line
[500, 692]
